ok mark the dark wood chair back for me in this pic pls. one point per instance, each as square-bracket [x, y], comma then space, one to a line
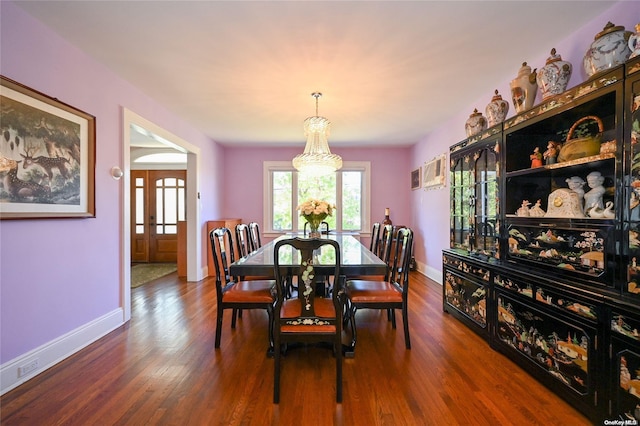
[243, 240]
[254, 231]
[402, 260]
[385, 249]
[384, 246]
[314, 314]
[375, 237]
[223, 255]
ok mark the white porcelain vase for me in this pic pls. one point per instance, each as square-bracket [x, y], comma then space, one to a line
[554, 76]
[475, 124]
[496, 111]
[524, 88]
[610, 47]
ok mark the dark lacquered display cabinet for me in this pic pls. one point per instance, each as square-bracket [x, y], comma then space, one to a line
[624, 361]
[624, 325]
[474, 181]
[544, 260]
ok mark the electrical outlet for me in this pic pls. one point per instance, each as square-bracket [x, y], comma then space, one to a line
[28, 368]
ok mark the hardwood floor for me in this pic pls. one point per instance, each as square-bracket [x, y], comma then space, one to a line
[162, 368]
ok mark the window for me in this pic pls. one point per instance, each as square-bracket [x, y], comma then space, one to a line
[285, 188]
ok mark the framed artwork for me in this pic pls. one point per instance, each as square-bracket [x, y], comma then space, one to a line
[434, 172]
[415, 178]
[47, 156]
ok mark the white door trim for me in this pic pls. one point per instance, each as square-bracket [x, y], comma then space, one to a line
[194, 239]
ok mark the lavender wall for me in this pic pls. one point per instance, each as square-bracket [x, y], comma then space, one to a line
[431, 208]
[390, 184]
[59, 275]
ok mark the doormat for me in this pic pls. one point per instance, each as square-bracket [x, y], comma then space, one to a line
[145, 272]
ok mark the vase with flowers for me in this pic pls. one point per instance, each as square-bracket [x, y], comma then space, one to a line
[314, 212]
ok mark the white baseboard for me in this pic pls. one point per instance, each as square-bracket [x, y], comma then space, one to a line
[51, 353]
[429, 272]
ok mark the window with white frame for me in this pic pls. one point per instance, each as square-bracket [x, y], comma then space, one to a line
[285, 189]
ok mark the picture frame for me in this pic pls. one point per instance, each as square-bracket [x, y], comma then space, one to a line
[434, 175]
[415, 178]
[47, 156]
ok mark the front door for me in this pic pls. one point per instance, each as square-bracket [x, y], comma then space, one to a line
[158, 202]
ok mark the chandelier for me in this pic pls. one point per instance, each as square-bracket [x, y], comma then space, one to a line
[317, 159]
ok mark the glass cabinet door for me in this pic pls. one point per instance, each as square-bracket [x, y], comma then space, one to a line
[485, 202]
[474, 200]
[632, 286]
[461, 182]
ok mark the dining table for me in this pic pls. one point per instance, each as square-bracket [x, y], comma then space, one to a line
[356, 260]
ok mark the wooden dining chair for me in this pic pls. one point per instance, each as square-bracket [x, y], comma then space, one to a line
[233, 293]
[254, 232]
[324, 228]
[389, 294]
[307, 317]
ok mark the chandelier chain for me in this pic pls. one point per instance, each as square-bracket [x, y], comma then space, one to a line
[316, 95]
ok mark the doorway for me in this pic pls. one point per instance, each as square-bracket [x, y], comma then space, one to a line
[158, 201]
[132, 123]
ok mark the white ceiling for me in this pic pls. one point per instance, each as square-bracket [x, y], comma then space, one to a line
[243, 71]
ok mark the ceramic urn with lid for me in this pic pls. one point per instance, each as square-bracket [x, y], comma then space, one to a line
[554, 76]
[610, 47]
[524, 88]
[475, 124]
[497, 109]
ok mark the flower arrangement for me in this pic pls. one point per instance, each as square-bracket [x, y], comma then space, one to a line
[315, 211]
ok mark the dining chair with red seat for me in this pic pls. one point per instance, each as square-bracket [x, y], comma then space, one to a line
[233, 293]
[389, 294]
[307, 317]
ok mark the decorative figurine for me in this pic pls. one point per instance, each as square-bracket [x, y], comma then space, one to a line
[576, 184]
[536, 158]
[595, 212]
[536, 210]
[608, 212]
[523, 211]
[593, 198]
[551, 154]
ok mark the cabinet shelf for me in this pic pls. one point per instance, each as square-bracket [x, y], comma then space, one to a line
[564, 165]
[554, 221]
